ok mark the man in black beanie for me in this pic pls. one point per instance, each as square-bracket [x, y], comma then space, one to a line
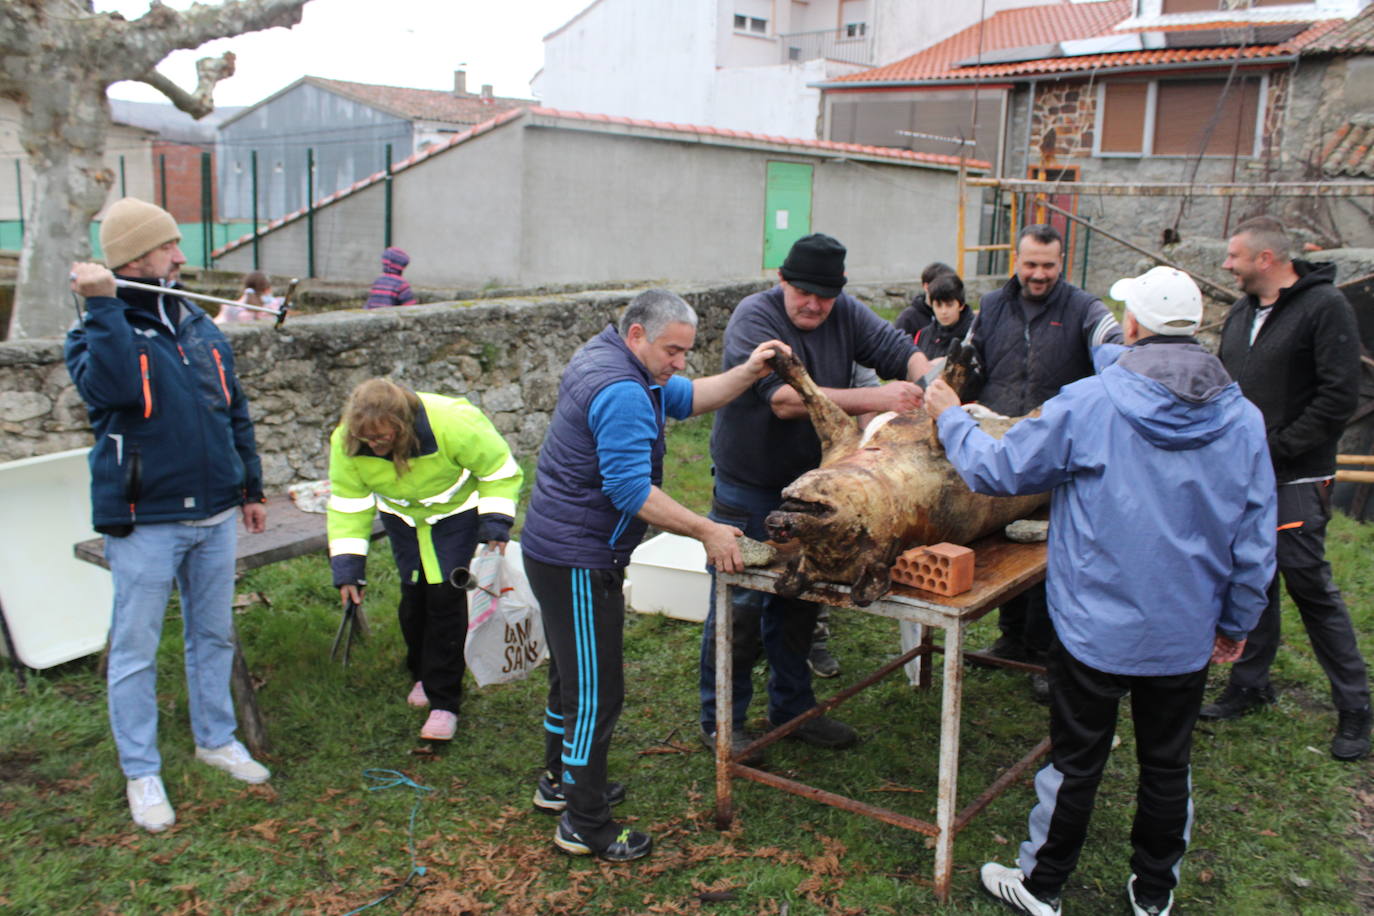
[763, 440]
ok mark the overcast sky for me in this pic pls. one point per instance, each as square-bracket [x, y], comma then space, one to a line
[417, 43]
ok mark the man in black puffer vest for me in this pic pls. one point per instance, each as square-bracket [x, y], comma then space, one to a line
[1293, 345]
[1034, 336]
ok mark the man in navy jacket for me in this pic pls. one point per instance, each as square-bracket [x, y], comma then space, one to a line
[173, 463]
[1158, 472]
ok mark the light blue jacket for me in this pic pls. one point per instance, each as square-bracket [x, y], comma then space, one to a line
[1162, 515]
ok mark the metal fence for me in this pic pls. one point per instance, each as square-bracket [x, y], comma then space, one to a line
[849, 43]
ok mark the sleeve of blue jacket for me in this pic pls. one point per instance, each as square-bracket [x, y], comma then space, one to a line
[101, 358]
[1031, 457]
[1252, 551]
[245, 443]
[625, 426]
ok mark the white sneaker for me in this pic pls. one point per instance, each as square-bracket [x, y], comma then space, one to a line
[1152, 909]
[148, 804]
[1009, 886]
[235, 760]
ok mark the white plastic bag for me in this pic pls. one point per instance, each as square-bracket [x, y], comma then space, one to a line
[505, 632]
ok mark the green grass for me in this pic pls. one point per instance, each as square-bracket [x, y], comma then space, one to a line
[1275, 831]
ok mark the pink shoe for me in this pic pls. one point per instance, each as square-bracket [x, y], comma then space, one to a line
[417, 696]
[440, 726]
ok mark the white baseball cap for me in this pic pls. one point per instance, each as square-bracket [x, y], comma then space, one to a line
[1163, 299]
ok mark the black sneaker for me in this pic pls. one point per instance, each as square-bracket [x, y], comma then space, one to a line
[627, 845]
[821, 662]
[549, 795]
[1352, 734]
[739, 739]
[826, 732]
[1235, 702]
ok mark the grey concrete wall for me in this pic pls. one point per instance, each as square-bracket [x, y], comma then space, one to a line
[534, 206]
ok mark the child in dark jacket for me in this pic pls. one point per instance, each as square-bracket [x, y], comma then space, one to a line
[952, 316]
[918, 314]
[391, 288]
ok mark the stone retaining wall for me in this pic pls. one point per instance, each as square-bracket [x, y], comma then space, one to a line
[504, 355]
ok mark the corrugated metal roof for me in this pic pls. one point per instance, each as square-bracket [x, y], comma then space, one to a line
[603, 122]
[1051, 24]
[423, 104]
[1349, 149]
[1353, 37]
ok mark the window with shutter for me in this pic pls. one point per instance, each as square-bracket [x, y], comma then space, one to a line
[1200, 116]
[1123, 117]
[1190, 6]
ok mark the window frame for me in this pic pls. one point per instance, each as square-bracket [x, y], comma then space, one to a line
[1151, 106]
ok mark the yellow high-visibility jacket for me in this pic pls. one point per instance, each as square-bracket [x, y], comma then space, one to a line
[463, 463]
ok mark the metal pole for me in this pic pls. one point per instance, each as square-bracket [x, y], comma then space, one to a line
[162, 169]
[959, 230]
[310, 209]
[253, 181]
[122, 191]
[19, 196]
[1087, 245]
[207, 208]
[386, 234]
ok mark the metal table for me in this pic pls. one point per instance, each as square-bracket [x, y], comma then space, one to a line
[1002, 569]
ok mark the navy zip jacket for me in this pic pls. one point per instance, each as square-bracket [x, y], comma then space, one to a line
[173, 439]
[1302, 372]
[1031, 350]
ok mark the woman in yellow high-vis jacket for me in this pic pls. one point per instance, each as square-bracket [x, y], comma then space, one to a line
[444, 480]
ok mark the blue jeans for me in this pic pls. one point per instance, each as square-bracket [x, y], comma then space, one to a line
[769, 625]
[144, 565]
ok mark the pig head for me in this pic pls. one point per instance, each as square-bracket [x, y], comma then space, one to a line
[878, 493]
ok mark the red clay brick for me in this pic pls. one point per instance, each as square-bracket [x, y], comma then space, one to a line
[944, 568]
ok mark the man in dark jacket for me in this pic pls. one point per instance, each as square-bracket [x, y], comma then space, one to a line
[1034, 336]
[598, 489]
[1293, 345]
[174, 461]
[764, 440]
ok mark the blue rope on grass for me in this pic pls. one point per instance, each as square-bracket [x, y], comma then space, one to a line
[391, 779]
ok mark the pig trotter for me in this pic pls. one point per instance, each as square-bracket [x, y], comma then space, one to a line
[872, 584]
[792, 582]
[962, 371]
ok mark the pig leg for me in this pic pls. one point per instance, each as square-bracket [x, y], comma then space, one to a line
[793, 580]
[872, 584]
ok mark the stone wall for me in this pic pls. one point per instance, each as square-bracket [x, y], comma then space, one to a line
[504, 355]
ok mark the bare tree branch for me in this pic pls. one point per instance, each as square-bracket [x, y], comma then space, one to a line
[161, 30]
[201, 102]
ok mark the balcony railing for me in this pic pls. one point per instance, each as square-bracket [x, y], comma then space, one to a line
[850, 43]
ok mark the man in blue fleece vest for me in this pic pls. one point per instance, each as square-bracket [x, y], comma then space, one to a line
[174, 463]
[1158, 472]
[597, 490]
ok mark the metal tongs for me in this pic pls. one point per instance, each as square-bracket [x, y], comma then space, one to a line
[280, 313]
[350, 625]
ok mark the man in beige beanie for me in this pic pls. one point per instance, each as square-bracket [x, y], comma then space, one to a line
[174, 461]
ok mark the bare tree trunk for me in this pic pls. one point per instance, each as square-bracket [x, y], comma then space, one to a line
[56, 59]
[63, 133]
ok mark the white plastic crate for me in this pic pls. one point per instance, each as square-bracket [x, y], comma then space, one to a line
[668, 576]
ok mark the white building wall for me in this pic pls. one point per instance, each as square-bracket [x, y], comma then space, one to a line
[792, 108]
[901, 28]
[633, 59]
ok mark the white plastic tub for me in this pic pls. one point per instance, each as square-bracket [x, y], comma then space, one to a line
[668, 576]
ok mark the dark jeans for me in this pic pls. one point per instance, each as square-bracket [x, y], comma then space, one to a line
[764, 625]
[1083, 713]
[1304, 510]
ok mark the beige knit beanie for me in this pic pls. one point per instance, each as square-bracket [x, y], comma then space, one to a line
[132, 228]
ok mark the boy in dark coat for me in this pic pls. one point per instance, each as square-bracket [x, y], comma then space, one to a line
[952, 316]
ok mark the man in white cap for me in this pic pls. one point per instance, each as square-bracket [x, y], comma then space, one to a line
[1159, 472]
[174, 462]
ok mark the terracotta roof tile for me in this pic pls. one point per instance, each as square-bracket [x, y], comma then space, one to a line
[1349, 149]
[1355, 36]
[1054, 23]
[423, 104]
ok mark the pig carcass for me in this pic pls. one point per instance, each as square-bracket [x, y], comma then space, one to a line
[878, 493]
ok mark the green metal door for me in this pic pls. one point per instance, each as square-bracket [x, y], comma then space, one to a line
[786, 210]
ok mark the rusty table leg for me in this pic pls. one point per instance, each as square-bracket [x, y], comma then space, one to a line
[725, 717]
[246, 702]
[951, 704]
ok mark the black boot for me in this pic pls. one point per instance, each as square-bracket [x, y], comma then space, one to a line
[1352, 734]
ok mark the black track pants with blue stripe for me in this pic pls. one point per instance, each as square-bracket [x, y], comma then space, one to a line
[584, 626]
